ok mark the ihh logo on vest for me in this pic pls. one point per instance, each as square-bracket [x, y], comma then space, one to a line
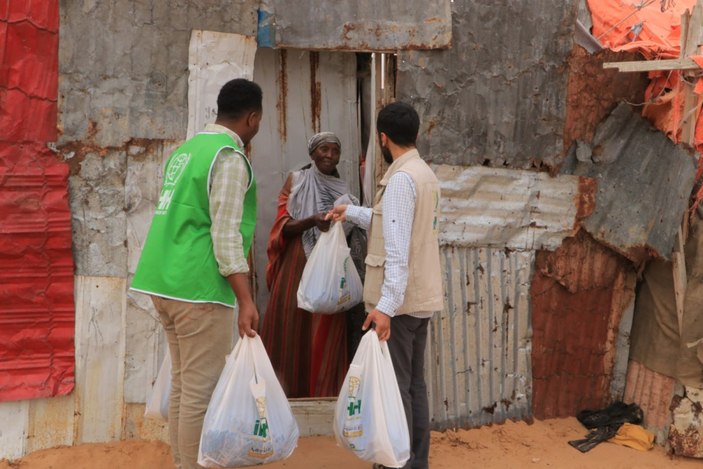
[174, 171]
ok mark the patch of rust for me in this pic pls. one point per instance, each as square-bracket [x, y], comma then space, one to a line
[281, 104]
[315, 91]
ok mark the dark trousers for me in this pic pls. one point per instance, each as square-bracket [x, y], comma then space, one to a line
[407, 347]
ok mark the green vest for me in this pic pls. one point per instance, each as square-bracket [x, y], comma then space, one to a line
[178, 260]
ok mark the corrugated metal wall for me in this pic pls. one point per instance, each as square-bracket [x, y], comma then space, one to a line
[363, 25]
[498, 96]
[578, 295]
[123, 98]
[478, 356]
[123, 73]
[653, 392]
[36, 264]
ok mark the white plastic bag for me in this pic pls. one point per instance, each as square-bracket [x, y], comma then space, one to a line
[330, 282]
[369, 418]
[248, 420]
[157, 403]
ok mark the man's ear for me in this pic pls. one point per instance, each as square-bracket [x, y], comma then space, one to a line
[383, 138]
[253, 118]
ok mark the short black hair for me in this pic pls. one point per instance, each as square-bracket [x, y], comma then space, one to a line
[239, 97]
[400, 122]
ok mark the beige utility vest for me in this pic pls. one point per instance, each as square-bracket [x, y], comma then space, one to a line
[424, 289]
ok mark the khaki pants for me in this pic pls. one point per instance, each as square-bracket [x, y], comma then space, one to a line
[199, 337]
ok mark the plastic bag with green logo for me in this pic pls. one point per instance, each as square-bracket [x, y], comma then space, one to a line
[248, 420]
[369, 418]
[330, 282]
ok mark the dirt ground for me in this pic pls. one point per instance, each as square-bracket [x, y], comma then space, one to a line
[542, 444]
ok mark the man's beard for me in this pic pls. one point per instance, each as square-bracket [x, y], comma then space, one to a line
[387, 156]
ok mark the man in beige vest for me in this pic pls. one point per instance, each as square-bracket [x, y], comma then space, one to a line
[403, 285]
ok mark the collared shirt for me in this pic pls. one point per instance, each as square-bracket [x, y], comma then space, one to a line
[398, 216]
[229, 182]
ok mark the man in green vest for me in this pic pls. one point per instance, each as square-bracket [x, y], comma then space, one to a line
[403, 284]
[194, 261]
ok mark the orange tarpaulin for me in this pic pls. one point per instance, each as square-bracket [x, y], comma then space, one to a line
[652, 28]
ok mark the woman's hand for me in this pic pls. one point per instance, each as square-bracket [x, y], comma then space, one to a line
[321, 221]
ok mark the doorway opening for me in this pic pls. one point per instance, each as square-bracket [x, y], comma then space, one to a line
[306, 92]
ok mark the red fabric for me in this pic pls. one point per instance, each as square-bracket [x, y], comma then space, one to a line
[37, 314]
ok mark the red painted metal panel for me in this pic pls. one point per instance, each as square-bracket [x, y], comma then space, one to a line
[578, 296]
[37, 313]
[29, 54]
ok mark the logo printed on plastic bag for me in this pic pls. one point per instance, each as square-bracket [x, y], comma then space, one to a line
[369, 417]
[353, 427]
[328, 285]
[262, 447]
[249, 420]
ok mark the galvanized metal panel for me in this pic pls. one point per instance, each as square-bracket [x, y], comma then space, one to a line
[144, 340]
[214, 59]
[123, 66]
[13, 437]
[478, 353]
[622, 353]
[644, 182]
[364, 25]
[508, 208]
[498, 96]
[100, 357]
[304, 93]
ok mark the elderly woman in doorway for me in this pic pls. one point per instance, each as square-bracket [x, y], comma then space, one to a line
[308, 351]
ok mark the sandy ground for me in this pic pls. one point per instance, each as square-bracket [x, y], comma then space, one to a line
[542, 444]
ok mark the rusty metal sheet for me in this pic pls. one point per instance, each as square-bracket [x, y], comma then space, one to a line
[498, 96]
[644, 182]
[477, 362]
[363, 25]
[653, 392]
[686, 432]
[510, 208]
[124, 66]
[579, 294]
[50, 423]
